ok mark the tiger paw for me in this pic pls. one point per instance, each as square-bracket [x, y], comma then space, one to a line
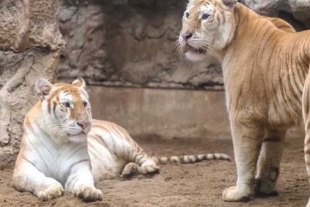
[149, 167]
[88, 193]
[130, 169]
[265, 188]
[232, 194]
[50, 191]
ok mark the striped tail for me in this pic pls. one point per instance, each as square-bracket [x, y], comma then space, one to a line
[188, 159]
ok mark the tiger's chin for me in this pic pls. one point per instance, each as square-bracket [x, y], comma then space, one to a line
[78, 138]
[194, 56]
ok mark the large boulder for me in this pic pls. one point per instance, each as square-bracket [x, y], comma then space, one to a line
[297, 12]
[30, 45]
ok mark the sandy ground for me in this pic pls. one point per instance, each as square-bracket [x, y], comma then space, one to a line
[189, 185]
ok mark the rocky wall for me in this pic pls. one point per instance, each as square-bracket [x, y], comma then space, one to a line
[133, 42]
[30, 45]
[130, 43]
[296, 12]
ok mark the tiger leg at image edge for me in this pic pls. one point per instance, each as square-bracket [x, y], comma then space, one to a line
[306, 118]
[268, 166]
[247, 139]
[27, 178]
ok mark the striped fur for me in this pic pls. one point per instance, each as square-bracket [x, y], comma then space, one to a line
[53, 156]
[63, 148]
[113, 152]
[188, 159]
[265, 65]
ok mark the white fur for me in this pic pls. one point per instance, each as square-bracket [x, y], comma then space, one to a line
[213, 36]
[195, 57]
[53, 155]
[111, 148]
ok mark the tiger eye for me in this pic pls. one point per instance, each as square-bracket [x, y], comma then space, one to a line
[205, 16]
[66, 104]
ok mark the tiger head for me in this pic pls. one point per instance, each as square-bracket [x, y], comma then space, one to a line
[66, 109]
[207, 27]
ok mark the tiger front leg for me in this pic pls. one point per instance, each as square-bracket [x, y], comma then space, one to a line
[268, 167]
[81, 183]
[27, 177]
[247, 137]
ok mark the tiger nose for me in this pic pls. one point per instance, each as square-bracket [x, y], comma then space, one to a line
[187, 35]
[82, 124]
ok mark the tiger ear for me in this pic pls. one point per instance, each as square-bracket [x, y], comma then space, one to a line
[79, 82]
[43, 86]
[229, 3]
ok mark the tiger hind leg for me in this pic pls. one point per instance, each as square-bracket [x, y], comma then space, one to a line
[132, 169]
[269, 163]
[306, 118]
[149, 167]
[139, 161]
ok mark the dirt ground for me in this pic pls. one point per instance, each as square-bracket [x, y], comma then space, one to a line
[189, 185]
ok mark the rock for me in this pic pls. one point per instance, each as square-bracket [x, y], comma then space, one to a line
[30, 45]
[66, 13]
[300, 9]
[132, 42]
[267, 7]
[130, 45]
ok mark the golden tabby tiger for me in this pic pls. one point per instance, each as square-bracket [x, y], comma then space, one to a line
[64, 149]
[265, 66]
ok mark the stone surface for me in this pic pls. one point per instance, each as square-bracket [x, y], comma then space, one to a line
[130, 43]
[165, 113]
[297, 12]
[162, 113]
[29, 23]
[30, 45]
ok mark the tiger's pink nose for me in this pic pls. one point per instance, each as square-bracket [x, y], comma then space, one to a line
[82, 124]
[187, 35]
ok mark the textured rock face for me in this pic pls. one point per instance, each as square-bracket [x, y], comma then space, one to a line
[132, 42]
[297, 12]
[30, 45]
[129, 43]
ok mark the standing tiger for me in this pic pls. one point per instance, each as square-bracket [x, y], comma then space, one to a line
[265, 66]
[62, 148]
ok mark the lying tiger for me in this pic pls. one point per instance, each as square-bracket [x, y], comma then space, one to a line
[62, 148]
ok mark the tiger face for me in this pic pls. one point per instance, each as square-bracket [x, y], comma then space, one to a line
[207, 27]
[66, 109]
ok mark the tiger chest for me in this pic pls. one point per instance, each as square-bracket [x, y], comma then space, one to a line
[56, 162]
